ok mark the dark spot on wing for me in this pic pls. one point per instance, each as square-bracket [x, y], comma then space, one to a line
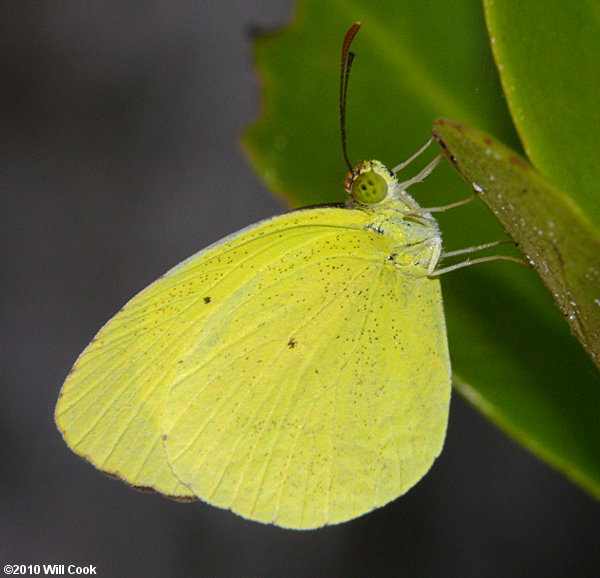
[207, 300]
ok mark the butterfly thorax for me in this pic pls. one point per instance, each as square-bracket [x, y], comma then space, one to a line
[374, 189]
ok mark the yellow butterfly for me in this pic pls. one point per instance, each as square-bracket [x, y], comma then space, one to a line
[296, 372]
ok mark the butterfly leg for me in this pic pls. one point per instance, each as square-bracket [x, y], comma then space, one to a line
[421, 175]
[413, 157]
[468, 262]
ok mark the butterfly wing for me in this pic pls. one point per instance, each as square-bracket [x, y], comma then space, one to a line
[293, 373]
[320, 389]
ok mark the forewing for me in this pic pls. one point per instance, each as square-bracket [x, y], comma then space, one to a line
[317, 388]
[110, 406]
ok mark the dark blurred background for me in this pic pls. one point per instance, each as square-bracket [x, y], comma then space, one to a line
[119, 126]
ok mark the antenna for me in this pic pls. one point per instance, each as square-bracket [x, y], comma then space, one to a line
[347, 58]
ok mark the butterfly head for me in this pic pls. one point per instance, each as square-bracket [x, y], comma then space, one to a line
[370, 183]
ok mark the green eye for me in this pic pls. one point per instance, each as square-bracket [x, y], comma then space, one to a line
[369, 188]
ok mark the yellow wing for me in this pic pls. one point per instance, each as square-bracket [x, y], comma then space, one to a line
[296, 372]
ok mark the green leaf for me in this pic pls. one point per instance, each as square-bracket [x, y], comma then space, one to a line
[412, 65]
[550, 229]
[561, 244]
[510, 349]
[548, 54]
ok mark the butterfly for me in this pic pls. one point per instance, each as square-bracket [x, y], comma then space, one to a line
[295, 372]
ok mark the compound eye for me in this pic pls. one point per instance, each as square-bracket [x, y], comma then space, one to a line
[369, 188]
